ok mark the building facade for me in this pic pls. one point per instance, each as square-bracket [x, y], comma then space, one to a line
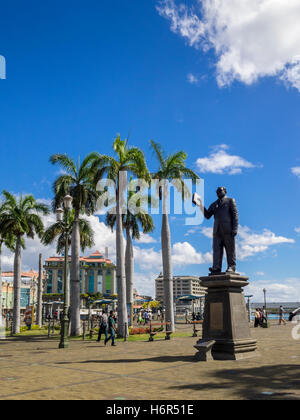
[182, 286]
[29, 282]
[97, 275]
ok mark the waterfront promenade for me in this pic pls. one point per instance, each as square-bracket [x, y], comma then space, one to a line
[33, 368]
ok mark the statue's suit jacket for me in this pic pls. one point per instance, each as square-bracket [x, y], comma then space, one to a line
[226, 216]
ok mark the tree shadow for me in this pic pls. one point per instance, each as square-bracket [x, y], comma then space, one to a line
[261, 383]
[160, 359]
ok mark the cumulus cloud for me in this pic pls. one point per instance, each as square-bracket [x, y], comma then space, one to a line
[286, 290]
[250, 243]
[251, 38]
[221, 162]
[296, 171]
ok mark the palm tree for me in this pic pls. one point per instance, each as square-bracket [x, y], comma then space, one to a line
[21, 218]
[131, 224]
[9, 241]
[56, 231]
[78, 182]
[128, 159]
[172, 169]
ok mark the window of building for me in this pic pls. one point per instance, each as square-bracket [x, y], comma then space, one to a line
[60, 281]
[49, 281]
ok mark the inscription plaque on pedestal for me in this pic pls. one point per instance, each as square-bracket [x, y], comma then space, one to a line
[216, 316]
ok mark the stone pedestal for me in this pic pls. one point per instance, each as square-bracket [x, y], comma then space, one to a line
[225, 317]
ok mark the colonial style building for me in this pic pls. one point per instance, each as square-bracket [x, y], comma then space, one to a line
[29, 281]
[97, 274]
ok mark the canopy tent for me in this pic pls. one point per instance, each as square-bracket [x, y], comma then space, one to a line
[190, 297]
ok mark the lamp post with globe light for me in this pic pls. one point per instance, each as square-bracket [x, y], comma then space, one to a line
[62, 216]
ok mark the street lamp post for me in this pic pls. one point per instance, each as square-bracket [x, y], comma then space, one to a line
[249, 306]
[63, 216]
[265, 300]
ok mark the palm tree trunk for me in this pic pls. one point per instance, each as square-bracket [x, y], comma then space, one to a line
[1, 317]
[39, 320]
[75, 279]
[121, 275]
[129, 267]
[167, 263]
[17, 288]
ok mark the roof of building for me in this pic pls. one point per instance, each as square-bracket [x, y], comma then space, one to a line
[30, 274]
[95, 257]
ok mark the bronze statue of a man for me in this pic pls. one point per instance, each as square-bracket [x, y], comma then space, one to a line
[226, 226]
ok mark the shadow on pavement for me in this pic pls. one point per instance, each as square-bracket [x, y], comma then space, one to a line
[162, 359]
[265, 383]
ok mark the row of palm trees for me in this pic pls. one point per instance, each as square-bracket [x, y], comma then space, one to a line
[20, 218]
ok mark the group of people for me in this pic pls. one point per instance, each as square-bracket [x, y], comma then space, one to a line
[260, 317]
[107, 326]
[143, 317]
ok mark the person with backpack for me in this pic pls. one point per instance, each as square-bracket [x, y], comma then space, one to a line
[103, 325]
[111, 329]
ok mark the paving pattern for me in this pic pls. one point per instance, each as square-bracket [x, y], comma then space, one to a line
[34, 368]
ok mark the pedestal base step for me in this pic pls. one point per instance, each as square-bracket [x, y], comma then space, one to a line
[234, 349]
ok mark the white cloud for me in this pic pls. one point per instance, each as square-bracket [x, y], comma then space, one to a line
[208, 232]
[146, 239]
[296, 171]
[287, 290]
[297, 230]
[183, 253]
[250, 38]
[192, 79]
[250, 243]
[259, 273]
[221, 162]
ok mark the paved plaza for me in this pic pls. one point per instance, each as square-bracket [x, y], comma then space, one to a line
[33, 368]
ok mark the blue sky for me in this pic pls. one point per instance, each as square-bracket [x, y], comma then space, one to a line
[79, 72]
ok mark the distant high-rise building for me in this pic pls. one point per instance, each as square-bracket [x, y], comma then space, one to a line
[182, 286]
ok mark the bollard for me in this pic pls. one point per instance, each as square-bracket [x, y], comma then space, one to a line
[194, 328]
[83, 331]
[125, 335]
[49, 328]
[53, 326]
[151, 337]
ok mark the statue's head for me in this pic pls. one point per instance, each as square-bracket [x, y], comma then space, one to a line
[221, 192]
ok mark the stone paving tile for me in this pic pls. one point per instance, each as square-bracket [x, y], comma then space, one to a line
[141, 370]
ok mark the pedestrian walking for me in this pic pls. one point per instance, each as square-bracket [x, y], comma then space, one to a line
[256, 318]
[281, 316]
[103, 326]
[28, 322]
[111, 329]
[140, 318]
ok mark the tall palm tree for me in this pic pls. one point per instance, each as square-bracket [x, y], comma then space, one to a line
[21, 218]
[128, 159]
[132, 222]
[8, 240]
[78, 182]
[172, 169]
